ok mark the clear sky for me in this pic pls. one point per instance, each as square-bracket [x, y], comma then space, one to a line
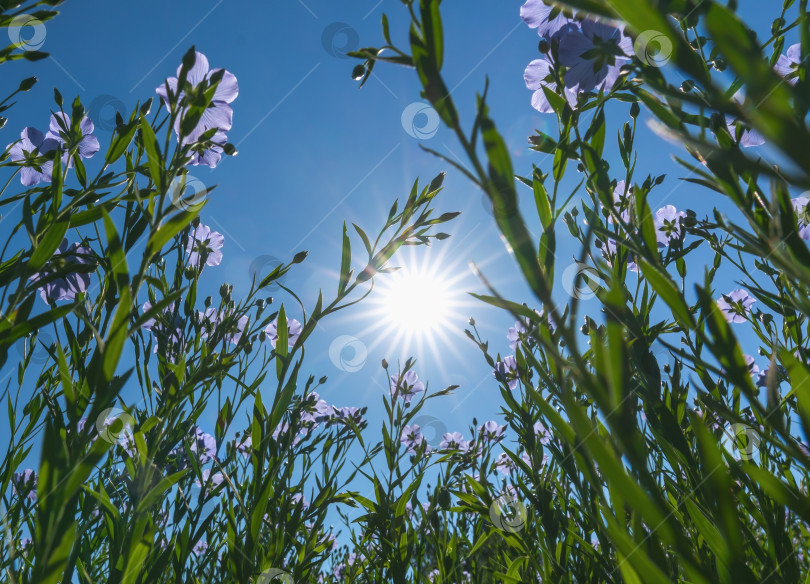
[314, 151]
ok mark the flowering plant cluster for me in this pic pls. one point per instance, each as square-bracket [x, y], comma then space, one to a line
[156, 435]
[654, 415]
[653, 393]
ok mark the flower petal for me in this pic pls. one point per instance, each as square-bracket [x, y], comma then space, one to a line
[228, 88]
[536, 73]
[540, 102]
[88, 146]
[199, 71]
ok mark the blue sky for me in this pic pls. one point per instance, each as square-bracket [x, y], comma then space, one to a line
[314, 152]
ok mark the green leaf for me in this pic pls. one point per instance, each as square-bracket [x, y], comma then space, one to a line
[118, 333]
[646, 223]
[172, 227]
[152, 148]
[426, 63]
[156, 492]
[281, 343]
[597, 132]
[666, 288]
[121, 141]
[557, 103]
[768, 97]
[543, 143]
[29, 325]
[345, 263]
[48, 244]
[432, 27]
[709, 532]
[65, 377]
[501, 190]
[364, 237]
[81, 173]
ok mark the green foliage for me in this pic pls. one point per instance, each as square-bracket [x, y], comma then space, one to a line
[615, 474]
[665, 497]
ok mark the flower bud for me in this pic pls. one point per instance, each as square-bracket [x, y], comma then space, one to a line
[444, 499]
[144, 109]
[27, 84]
[189, 59]
[543, 46]
[358, 72]
[635, 109]
[384, 364]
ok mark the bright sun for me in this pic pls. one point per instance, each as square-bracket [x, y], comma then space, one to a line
[416, 301]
